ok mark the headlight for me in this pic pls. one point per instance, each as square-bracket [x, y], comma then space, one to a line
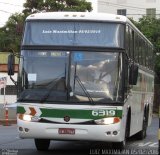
[105, 121]
[27, 117]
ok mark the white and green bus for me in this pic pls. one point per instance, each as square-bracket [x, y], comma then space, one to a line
[83, 77]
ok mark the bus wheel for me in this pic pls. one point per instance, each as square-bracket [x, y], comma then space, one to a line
[42, 144]
[142, 134]
[119, 145]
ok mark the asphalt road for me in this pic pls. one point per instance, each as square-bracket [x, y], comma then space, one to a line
[10, 144]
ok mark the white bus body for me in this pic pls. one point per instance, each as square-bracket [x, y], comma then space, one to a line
[64, 82]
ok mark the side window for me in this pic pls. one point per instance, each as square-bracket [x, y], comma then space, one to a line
[143, 53]
[131, 43]
[140, 51]
[147, 54]
[150, 57]
[136, 51]
[127, 40]
[126, 84]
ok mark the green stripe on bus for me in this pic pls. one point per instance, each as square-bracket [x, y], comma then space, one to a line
[20, 110]
[73, 113]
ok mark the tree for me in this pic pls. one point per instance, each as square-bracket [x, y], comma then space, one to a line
[3, 40]
[33, 6]
[11, 33]
[151, 29]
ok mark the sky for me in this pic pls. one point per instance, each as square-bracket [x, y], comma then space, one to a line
[8, 7]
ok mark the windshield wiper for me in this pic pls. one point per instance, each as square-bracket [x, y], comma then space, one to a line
[84, 89]
[81, 85]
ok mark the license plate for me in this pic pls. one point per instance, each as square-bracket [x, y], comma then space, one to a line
[69, 131]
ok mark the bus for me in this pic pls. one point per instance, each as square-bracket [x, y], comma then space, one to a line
[83, 77]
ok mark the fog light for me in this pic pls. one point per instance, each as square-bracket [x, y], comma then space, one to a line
[20, 129]
[26, 129]
[108, 132]
[115, 132]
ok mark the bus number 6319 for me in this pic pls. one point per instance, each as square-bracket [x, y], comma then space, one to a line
[103, 112]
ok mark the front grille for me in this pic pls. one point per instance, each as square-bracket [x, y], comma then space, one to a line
[42, 120]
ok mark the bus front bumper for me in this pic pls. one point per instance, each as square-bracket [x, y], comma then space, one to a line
[108, 133]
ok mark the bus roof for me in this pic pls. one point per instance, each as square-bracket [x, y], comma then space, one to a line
[77, 16]
[84, 16]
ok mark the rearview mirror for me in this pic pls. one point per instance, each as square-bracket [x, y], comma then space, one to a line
[133, 74]
[11, 64]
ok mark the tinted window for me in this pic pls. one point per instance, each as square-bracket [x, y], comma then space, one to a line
[74, 34]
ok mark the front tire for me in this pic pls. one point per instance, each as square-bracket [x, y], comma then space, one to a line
[42, 144]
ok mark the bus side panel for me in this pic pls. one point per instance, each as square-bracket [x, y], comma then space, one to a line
[141, 96]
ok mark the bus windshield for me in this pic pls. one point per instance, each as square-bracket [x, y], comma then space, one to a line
[64, 33]
[71, 76]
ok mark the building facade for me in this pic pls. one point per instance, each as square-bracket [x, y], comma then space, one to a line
[133, 9]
